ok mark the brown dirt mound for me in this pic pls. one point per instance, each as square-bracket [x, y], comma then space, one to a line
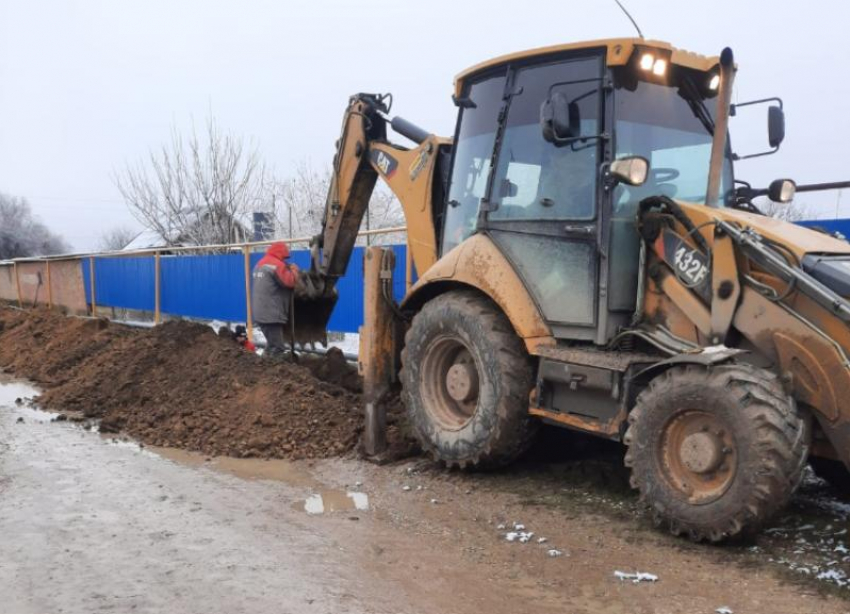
[180, 384]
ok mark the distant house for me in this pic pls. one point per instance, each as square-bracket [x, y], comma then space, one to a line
[153, 239]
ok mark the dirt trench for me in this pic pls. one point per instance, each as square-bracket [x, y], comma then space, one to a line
[182, 385]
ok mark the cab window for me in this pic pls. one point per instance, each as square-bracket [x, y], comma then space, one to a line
[473, 152]
[540, 180]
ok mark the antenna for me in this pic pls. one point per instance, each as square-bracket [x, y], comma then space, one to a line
[634, 23]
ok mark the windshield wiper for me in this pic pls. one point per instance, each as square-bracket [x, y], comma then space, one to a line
[689, 92]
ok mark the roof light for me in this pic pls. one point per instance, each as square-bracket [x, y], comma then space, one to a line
[647, 61]
[715, 82]
[659, 68]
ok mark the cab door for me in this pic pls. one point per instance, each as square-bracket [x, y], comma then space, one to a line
[541, 207]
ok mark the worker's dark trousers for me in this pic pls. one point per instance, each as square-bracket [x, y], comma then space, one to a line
[274, 338]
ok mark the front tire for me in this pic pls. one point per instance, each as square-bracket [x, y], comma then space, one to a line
[466, 379]
[715, 452]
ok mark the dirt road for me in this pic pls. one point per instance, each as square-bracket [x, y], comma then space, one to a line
[91, 525]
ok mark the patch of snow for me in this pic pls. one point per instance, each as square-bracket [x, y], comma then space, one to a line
[405, 488]
[554, 553]
[724, 610]
[636, 578]
[836, 576]
[542, 540]
[520, 536]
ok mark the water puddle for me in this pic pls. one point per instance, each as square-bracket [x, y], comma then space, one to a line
[17, 396]
[327, 501]
[11, 391]
[276, 470]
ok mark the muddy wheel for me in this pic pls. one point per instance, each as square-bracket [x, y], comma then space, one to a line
[466, 378]
[715, 452]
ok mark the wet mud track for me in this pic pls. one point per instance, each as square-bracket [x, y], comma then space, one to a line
[91, 525]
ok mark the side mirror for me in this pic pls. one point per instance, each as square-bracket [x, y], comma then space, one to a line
[775, 126]
[782, 190]
[633, 170]
[559, 118]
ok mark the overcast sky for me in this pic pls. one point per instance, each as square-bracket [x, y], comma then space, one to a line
[87, 85]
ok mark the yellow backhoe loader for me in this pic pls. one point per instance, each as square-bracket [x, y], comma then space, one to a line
[586, 258]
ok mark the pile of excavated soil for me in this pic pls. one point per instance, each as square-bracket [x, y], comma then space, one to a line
[181, 385]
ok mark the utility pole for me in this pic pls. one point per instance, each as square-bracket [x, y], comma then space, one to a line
[368, 226]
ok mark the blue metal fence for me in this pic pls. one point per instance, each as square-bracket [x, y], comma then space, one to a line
[842, 226]
[213, 286]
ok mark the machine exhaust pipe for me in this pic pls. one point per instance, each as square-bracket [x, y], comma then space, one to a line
[721, 126]
[410, 130]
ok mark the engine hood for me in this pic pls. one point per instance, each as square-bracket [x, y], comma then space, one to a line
[798, 239]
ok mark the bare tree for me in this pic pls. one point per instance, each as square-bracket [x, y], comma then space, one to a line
[298, 204]
[298, 201]
[196, 191]
[789, 212]
[117, 238]
[22, 234]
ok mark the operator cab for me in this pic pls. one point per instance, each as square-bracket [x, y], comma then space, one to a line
[555, 148]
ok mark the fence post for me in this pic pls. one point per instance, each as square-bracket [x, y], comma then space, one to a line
[92, 285]
[249, 325]
[18, 285]
[408, 266]
[49, 285]
[156, 289]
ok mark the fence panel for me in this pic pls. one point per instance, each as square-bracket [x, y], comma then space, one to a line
[207, 287]
[126, 282]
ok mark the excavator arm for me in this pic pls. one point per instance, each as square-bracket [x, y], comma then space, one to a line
[363, 154]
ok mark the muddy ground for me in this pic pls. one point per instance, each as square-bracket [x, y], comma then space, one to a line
[95, 522]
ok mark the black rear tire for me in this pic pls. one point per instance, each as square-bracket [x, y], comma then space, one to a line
[466, 379]
[715, 452]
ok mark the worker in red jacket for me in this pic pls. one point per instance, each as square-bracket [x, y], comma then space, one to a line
[274, 282]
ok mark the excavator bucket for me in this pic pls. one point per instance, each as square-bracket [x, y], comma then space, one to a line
[309, 324]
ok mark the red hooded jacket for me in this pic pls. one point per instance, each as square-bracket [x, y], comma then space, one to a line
[273, 284]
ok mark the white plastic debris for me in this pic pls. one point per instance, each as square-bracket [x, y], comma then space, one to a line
[636, 578]
[542, 540]
[501, 527]
[519, 527]
[724, 610]
[434, 501]
[405, 488]
[554, 553]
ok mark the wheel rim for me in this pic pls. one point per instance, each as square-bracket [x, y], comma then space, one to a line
[450, 383]
[698, 456]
